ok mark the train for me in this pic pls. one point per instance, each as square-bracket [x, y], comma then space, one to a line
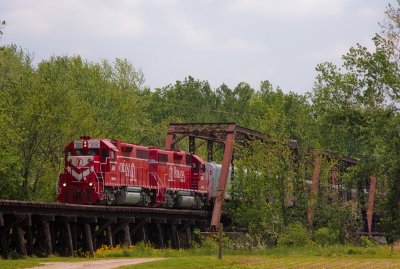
[113, 172]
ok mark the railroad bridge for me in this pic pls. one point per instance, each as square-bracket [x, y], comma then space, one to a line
[41, 229]
[46, 228]
[35, 228]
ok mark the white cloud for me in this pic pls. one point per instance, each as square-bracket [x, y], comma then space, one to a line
[328, 54]
[335, 52]
[192, 35]
[32, 23]
[370, 13]
[99, 18]
[205, 39]
[229, 40]
[243, 45]
[289, 8]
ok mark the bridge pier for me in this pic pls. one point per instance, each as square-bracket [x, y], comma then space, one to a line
[47, 237]
[70, 244]
[21, 240]
[4, 242]
[89, 239]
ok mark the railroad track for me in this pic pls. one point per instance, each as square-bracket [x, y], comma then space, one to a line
[25, 207]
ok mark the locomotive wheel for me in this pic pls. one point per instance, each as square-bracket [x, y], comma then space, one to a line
[199, 203]
[145, 199]
[109, 197]
[170, 201]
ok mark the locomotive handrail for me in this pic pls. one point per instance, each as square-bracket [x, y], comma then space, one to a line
[58, 189]
[101, 171]
[158, 179]
[161, 184]
[98, 178]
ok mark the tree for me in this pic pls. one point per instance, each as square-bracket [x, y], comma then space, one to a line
[259, 190]
[390, 37]
[15, 83]
[355, 107]
[43, 108]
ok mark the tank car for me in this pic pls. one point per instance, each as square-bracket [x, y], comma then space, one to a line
[112, 172]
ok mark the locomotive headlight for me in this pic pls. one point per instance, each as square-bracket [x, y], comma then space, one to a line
[64, 184]
[90, 184]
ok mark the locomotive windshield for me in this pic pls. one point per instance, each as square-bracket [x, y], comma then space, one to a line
[83, 152]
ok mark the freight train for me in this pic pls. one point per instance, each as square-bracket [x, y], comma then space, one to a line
[112, 172]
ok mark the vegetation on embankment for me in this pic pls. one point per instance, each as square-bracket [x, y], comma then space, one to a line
[28, 262]
[338, 256]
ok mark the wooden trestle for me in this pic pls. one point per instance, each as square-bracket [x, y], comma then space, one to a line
[33, 228]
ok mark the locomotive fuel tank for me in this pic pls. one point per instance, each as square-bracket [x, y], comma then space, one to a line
[184, 199]
[129, 196]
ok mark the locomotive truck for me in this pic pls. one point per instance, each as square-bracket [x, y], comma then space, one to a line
[112, 172]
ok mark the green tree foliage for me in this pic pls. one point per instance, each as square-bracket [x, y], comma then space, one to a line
[266, 177]
[355, 109]
[45, 107]
[15, 73]
[296, 235]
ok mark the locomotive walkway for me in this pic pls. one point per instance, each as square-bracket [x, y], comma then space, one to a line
[39, 228]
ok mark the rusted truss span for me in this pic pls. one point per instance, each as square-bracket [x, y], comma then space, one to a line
[230, 135]
[215, 132]
[34, 228]
[223, 133]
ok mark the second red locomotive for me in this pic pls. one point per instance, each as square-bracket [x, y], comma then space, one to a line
[104, 171]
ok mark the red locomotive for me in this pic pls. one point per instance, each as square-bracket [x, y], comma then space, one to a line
[104, 171]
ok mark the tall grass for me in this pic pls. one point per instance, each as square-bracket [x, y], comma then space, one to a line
[209, 248]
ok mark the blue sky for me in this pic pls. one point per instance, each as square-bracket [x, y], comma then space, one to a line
[224, 41]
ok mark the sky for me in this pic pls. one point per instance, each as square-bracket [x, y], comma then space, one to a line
[219, 41]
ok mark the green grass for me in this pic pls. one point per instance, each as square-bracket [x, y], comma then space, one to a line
[280, 257]
[210, 249]
[205, 257]
[256, 262]
[31, 262]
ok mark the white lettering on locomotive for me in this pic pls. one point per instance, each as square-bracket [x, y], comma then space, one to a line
[129, 170]
[175, 174]
[170, 173]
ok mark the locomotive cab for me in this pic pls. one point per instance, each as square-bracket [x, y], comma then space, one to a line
[86, 161]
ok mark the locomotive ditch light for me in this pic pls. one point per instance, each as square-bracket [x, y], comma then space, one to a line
[64, 184]
[90, 184]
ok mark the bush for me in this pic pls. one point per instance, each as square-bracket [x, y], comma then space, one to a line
[365, 242]
[326, 236]
[296, 236]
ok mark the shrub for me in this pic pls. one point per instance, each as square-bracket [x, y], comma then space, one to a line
[296, 235]
[325, 236]
[365, 242]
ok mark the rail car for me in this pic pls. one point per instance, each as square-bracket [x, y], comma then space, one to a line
[112, 172]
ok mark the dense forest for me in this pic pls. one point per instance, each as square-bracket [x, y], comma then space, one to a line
[352, 110]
